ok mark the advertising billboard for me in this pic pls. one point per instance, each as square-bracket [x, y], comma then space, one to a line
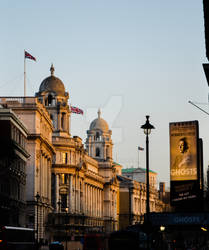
[183, 151]
[184, 161]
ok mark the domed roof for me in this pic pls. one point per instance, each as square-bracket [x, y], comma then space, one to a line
[99, 123]
[52, 84]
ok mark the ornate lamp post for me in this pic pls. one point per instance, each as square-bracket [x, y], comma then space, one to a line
[66, 222]
[147, 130]
[37, 201]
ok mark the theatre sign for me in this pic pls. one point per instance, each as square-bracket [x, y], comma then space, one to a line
[185, 158]
[158, 219]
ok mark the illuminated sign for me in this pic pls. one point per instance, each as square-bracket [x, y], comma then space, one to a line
[179, 218]
[183, 151]
[185, 164]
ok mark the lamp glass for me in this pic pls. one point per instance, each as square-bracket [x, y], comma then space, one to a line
[147, 131]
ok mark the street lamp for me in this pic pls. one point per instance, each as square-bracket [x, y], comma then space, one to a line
[37, 201]
[66, 222]
[147, 130]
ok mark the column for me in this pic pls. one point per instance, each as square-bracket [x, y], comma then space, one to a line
[49, 180]
[92, 204]
[58, 121]
[70, 196]
[100, 204]
[97, 202]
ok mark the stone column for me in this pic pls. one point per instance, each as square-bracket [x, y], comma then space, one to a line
[59, 121]
[92, 204]
[70, 196]
[57, 188]
[89, 201]
[49, 180]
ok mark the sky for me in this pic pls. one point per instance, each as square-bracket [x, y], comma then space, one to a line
[130, 58]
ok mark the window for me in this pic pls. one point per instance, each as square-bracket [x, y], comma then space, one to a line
[50, 100]
[63, 201]
[97, 152]
[64, 158]
[97, 136]
[64, 178]
[63, 121]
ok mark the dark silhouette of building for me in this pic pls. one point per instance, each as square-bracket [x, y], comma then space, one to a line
[13, 157]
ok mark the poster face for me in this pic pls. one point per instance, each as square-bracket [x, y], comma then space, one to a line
[183, 151]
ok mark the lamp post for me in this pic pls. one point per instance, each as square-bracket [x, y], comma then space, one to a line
[147, 130]
[66, 222]
[37, 201]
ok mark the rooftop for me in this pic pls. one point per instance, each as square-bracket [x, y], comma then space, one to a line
[130, 170]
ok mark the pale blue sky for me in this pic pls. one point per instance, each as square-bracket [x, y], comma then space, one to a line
[130, 58]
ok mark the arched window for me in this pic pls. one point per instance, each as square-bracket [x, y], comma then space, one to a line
[49, 100]
[97, 152]
[97, 136]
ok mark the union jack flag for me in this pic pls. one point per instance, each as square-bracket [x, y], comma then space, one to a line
[76, 110]
[140, 148]
[29, 56]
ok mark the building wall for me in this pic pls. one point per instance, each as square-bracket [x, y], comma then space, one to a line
[13, 157]
[133, 202]
[139, 174]
[39, 145]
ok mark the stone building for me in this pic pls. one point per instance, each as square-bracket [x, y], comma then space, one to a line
[73, 188]
[39, 145]
[13, 157]
[69, 188]
[133, 202]
[139, 174]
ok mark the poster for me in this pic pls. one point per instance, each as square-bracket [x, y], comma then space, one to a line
[183, 151]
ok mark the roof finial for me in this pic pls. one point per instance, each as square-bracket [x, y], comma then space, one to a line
[52, 70]
[99, 113]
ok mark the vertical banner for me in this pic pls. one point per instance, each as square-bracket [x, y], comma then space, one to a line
[183, 151]
[184, 161]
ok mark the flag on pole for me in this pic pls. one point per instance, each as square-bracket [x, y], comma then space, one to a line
[29, 56]
[76, 110]
[140, 148]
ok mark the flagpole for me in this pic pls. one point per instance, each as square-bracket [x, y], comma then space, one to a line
[24, 76]
[138, 156]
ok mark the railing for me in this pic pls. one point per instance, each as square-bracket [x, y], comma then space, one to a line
[18, 99]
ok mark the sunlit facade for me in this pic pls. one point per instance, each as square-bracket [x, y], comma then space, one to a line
[73, 188]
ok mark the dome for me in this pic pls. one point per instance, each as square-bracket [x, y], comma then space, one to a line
[52, 84]
[99, 123]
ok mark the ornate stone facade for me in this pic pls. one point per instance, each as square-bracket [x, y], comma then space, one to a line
[71, 188]
[77, 189]
[38, 171]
